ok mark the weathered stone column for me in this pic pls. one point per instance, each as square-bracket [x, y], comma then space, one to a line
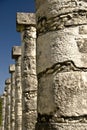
[16, 54]
[8, 104]
[62, 64]
[26, 25]
[3, 110]
[12, 71]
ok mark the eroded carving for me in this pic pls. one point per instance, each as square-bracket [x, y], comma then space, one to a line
[61, 21]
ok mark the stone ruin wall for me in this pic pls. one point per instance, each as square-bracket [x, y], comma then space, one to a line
[56, 59]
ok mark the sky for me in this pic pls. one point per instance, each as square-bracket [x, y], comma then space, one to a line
[9, 37]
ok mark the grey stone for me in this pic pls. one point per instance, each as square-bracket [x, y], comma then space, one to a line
[12, 68]
[30, 101]
[8, 81]
[25, 19]
[61, 64]
[30, 120]
[61, 46]
[16, 51]
[54, 8]
[61, 126]
[26, 24]
[63, 93]
[18, 87]
[8, 104]
[29, 79]
[3, 110]
[12, 71]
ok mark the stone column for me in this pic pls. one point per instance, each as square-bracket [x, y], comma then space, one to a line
[8, 104]
[12, 71]
[16, 54]
[3, 110]
[26, 25]
[62, 64]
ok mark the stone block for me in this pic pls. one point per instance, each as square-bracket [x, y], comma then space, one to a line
[8, 81]
[30, 101]
[83, 29]
[18, 109]
[56, 7]
[25, 19]
[60, 46]
[82, 45]
[16, 51]
[18, 121]
[29, 66]
[30, 82]
[63, 94]
[32, 115]
[12, 68]
[61, 126]
[30, 120]
[4, 94]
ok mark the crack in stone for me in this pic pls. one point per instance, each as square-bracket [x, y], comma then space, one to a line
[57, 29]
[67, 19]
[82, 118]
[63, 119]
[65, 66]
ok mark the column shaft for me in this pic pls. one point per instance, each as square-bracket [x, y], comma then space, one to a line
[12, 71]
[62, 64]
[16, 54]
[8, 104]
[3, 110]
[29, 79]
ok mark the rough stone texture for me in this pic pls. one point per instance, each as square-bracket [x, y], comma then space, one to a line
[59, 46]
[27, 24]
[16, 53]
[8, 104]
[24, 19]
[61, 126]
[62, 64]
[64, 95]
[3, 110]
[55, 8]
[12, 71]
[29, 76]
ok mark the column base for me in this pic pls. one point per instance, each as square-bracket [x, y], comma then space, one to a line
[61, 126]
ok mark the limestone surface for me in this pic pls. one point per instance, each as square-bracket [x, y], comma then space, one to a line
[61, 64]
[3, 110]
[16, 51]
[26, 25]
[8, 104]
[25, 19]
[60, 98]
[16, 54]
[12, 72]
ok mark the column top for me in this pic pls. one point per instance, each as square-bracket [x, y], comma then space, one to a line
[16, 52]
[24, 19]
[8, 81]
[5, 89]
[4, 94]
[12, 68]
